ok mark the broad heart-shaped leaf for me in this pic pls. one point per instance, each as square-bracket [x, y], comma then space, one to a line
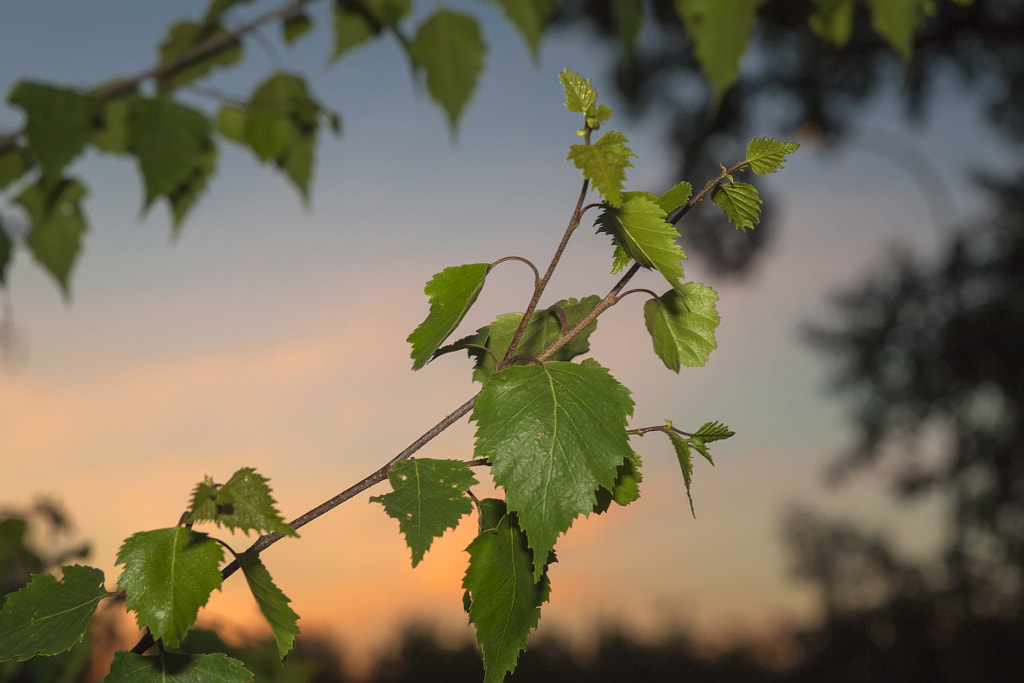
[57, 226]
[832, 21]
[244, 502]
[356, 21]
[169, 667]
[580, 95]
[272, 602]
[741, 203]
[47, 616]
[168, 575]
[682, 326]
[170, 141]
[639, 227]
[675, 197]
[530, 17]
[504, 596]
[553, 434]
[449, 47]
[428, 497]
[767, 155]
[721, 31]
[182, 37]
[59, 122]
[451, 292]
[544, 328]
[604, 164]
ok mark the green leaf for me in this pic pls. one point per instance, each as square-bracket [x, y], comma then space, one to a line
[280, 112]
[170, 141]
[428, 497]
[601, 114]
[112, 134]
[675, 197]
[57, 226]
[553, 434]
[272, 602]
[626, 488]
[184, 197]
[580, 96]
[767, 155]
[544, 328]
[629, 20]
[59, 123]
[604, 164]
[231, 123]
[168, 575]
[504, 595]
[449, 47]
[741, 203]
[183, 37]
[13, 164]
[451, 292]
[897, 21]
[169, 667]
[244, 503]
[47, 616]
[295, 26]
[709, 432]
[721, 31]
[356, 21]
[832, 21]
[682, 326]
[530, 18]
[6, 251]
[639, 227]
[297, 163]
[682, 449]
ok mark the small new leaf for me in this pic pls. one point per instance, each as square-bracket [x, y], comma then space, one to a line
[553, 434]
[449, 47]
[709, 431]
[504, 596]
[639, 227]
[428, 497]
[580, 96]
[682, 449]
[168, 575]
[604, 164]
[59, 121]
[47, 616]
[767, 155]
[741, 203]
[451, 292]
[57, 226]
[272, 602]
[244, 503]
[682, 325]
[169, 667]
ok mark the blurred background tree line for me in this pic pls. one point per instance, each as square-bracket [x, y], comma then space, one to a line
[922, 347]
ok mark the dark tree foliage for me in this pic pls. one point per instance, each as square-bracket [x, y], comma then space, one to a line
[795, 81]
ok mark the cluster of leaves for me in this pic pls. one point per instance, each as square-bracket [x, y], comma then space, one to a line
[168, 575]
[175, 145]
[555, 432]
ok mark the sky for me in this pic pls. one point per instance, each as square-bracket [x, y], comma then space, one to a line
[271, 334]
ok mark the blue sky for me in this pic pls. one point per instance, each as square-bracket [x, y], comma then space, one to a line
[273, 336]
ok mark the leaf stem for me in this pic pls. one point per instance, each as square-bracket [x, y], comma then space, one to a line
[536, 273]
[677, 215]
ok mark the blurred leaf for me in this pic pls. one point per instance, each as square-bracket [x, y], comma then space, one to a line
[832, 21]
[530, 18]
[184, 197]
[217, 9]
[740, 201]
[629, 20]
[231, 123]
[168, 575]
[451, 292]
[183, 37]
[6, 251]
[170, 141]
[47, 616]
[553, 434]
[356, 21]
[449, 47]
[13, 165]
[59, 123]
[169, 667]
[682, 325]
[295, 27]
[604, 163]
[57, 226]
[428, 497]
[243, 503]
[112, 134]
[272, 602]
[721, 31]
[897, 21]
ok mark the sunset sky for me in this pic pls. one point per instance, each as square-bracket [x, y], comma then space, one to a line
[272, 336]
